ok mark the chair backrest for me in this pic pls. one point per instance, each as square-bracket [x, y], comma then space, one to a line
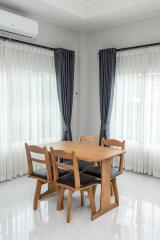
[56, 155]
[40, 151]
[117, 144]
[89, 139]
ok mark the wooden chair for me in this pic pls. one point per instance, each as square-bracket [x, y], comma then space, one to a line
[42, 175]
[73, 181]
[118, 144]
[116, 171]
[86, 139]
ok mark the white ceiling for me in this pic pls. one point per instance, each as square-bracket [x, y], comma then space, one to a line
[85, 15]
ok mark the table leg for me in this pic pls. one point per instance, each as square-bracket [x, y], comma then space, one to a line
[105, 184]
[105, 204]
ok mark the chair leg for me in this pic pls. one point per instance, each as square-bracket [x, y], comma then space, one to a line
[92, 202]
[94, 190]
[115, 189]
[82, 199]
[112, 191]
[60, 198]
[62, 202]
[69, 204]
[37, 194]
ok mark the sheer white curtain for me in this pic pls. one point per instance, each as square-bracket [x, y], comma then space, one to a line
[28, 103]
[136, 108]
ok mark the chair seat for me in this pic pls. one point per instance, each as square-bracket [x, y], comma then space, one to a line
[82, 164]
[41, 173]
[96, 171]
[85, 180]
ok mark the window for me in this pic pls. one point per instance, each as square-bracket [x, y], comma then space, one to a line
[29, 104]
[136, 108]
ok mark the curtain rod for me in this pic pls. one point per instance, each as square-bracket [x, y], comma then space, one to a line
[55, 49]
[28, 43]
[140, 46]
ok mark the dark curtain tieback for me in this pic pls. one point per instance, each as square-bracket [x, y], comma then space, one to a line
[103, 127]
[67, 127]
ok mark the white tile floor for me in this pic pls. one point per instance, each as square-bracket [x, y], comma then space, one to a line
[137, 217]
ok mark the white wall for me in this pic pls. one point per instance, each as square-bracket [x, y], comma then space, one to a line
[55, 36]
[131, 34]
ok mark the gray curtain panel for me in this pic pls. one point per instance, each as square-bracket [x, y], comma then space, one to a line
[64, 65]
[107, 67]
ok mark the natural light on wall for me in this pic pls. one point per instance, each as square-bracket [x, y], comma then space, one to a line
[28, 102]
[136, 108]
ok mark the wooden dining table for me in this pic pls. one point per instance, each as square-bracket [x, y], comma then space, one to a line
[94, 153]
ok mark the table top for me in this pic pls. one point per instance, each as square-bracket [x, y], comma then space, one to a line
[87, 152]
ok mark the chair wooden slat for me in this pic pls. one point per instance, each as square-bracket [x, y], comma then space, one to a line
[113, 142]
[36, 149]
[62, 154]
[38, 160]
[89, 139]
[65, 166]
